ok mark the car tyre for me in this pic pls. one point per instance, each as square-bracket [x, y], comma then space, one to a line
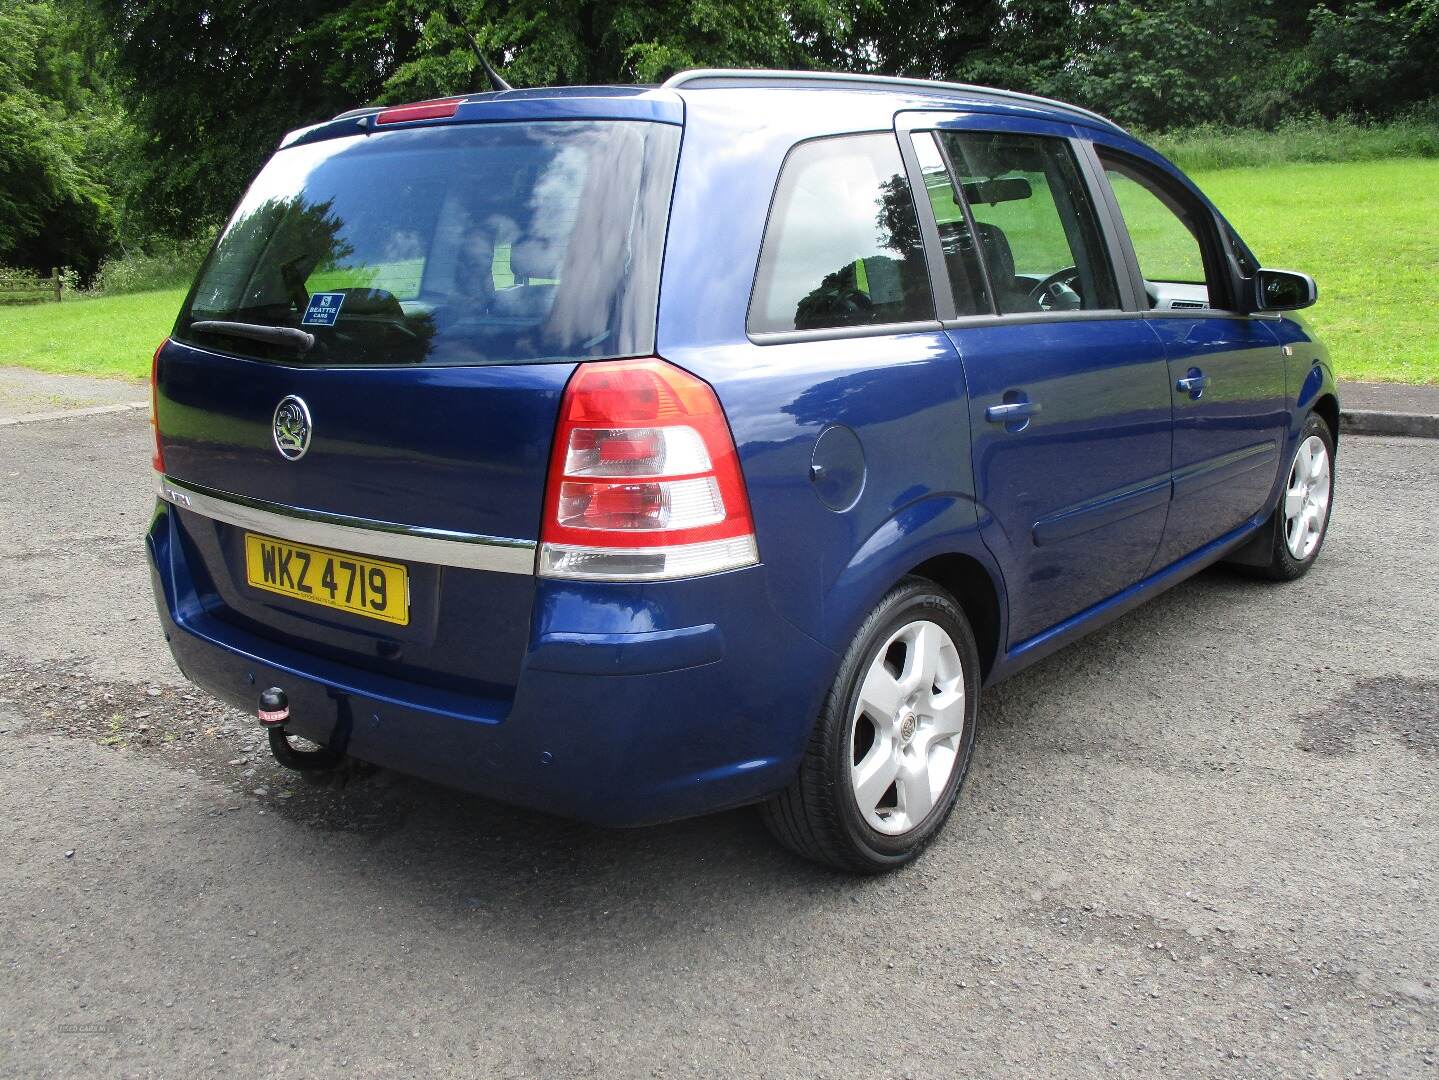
[1301, 519]
[890, 749]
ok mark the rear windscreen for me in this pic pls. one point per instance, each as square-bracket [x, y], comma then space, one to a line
[455, 244]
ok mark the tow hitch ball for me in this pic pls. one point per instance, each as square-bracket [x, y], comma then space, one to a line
[274, 707]
[273, 712]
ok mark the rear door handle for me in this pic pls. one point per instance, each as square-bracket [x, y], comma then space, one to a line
[1193, 383]
[1011, 411]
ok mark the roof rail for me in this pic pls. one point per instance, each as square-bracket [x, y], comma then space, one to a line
[706, 78]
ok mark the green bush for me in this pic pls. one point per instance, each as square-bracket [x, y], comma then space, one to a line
[166, 265]
[18, 277]
[1214, 146]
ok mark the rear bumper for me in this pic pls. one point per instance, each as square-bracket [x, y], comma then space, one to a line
[634, 704]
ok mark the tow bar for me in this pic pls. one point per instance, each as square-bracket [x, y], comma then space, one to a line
[273, 713]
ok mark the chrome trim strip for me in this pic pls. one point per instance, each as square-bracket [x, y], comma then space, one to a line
[1018, 318]
[837, 333]
[363, 536]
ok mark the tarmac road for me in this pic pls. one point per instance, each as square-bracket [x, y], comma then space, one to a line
[1204, 842]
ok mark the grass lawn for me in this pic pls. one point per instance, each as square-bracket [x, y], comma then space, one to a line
[1367, 231]
[113, 335]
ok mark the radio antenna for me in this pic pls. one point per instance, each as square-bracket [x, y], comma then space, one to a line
[495, 80]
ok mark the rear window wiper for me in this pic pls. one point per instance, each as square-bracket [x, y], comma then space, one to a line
[299, 340]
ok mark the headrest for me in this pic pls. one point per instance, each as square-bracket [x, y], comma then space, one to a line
[997, 252]
[531, 257]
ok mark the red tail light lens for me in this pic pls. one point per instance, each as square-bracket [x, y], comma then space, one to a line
[157, 455]
[420, 110]
[644, 480]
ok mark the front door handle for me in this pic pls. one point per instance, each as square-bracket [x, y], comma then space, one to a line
[1193, 383]
[1011, 411]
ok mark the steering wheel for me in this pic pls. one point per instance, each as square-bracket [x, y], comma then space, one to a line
[834, 305]
[1058, 292]
[854, 302]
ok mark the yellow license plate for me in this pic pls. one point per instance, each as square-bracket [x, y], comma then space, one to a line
[333, 579]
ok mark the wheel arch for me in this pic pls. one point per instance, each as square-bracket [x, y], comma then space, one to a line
[1318, 394]
[935, 538]
[968, 581]
[1326, 406]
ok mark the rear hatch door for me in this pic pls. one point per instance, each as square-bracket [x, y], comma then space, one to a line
[380, 340]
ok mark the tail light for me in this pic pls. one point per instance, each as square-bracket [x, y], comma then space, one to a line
[644, 481]
[157, 456]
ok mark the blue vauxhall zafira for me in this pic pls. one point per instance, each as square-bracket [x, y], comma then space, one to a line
[631, 453]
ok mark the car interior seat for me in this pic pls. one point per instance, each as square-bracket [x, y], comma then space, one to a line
[535, 264]
[1010, 293]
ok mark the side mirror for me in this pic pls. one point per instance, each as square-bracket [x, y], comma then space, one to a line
[1282, 290]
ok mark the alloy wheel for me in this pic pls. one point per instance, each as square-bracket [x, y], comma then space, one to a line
[907, 727]
[1306, 499]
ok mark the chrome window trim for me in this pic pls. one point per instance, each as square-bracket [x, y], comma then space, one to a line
[363, 536]
[836, 333]
[1016, 318]
[1195, 313]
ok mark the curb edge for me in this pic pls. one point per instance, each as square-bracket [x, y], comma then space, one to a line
[1374, 422]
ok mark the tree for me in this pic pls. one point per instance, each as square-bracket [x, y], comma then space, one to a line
[1032, 43]
[210, 87]
[59, 126]
[1369, 58]
[213, 87]
[931, 40]
[1166, 62]
[598, 42]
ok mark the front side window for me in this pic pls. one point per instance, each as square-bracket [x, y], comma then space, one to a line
[842, 247]
[1035, 223]
[1166, 230]
[458, 244]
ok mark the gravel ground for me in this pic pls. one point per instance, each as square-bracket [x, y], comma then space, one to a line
[1203, 842]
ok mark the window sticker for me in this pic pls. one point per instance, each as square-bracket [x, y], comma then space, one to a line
[324, 309]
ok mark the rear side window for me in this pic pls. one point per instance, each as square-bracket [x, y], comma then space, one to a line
[1036, 224]
[463, 244]
[842, 247]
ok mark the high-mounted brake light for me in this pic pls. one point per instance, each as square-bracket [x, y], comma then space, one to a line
[644, 480]
[420, 110]
[157, 455]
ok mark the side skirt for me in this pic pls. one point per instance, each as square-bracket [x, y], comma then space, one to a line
[1092, 618]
